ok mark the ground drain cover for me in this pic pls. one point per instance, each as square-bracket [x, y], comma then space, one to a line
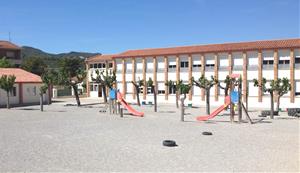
[169, 143]
[206, 133]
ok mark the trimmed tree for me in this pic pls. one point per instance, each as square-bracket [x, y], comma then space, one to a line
[184, 89]
[282, 86]
[175, 86]
[137, 86]
[100, 81]
[226, 88]
[43, 90]
[7, 84]
[265, 89]
[109, 78]
[206, 84]
[105, 81]
[150, 84]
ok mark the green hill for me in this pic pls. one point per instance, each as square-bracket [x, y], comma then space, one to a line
[52, 59]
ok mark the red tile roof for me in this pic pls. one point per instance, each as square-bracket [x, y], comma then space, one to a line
[210, 48]
[22, 76]
[8, 45]
[98, 58]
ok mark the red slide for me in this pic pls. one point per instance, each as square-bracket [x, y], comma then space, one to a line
[216, 112]
[128, 107]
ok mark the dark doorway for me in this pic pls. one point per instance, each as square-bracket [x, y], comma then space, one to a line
[99, 91]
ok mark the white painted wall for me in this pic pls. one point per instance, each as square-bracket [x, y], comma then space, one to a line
[30, 94]
[268, 74]
[149, 63]
[223, 74]
[128, 77]
[297, 74]
[13, 99]
[119, 64]
[284, 73]
[160, 63]
[129, 88]
[237, 58]
[223, 60]
[139, 63]
[172, 76]
[160, 76]
[184, 76]
[252, 58]
[128, 64]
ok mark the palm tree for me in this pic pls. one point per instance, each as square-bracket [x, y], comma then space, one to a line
[7, 84]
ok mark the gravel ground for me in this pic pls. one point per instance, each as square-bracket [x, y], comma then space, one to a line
[82, 139]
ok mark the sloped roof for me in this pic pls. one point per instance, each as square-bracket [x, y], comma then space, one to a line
[8, 45]
[98, 58]
[22, 76]
[242, 46]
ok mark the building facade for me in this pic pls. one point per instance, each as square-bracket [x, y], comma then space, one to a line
[26, 89]
[101, 63]
[271, 59]
[11, 52]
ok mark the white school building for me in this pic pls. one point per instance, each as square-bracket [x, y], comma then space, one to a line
[270, 59]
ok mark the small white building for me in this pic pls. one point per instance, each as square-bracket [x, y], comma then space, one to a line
[26, 89]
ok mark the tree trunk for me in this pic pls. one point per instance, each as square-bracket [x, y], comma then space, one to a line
[240, 103]
[272, 105]
[247, 95]
[155, 99]
[207, 100]
[104, 93]
[278, 104]
[177, 106]
[76, 94]
[41, 102]
[231, 104]
[182, 107]
[7, 100]
[50, 94]
[137, 89]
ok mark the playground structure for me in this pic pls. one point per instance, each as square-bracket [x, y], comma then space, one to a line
[127, 106]
[231, 101]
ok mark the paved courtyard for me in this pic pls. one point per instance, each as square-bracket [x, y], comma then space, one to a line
[82, 139]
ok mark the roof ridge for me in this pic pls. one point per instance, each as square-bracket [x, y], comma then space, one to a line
[210, 44]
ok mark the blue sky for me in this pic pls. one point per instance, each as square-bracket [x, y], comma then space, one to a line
[113, 26]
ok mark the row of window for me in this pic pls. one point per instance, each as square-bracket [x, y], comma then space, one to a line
[101, 65]
[271, 62]
[13, 92]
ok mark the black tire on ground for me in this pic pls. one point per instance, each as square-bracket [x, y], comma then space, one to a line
[206, 133]
[169, 143]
